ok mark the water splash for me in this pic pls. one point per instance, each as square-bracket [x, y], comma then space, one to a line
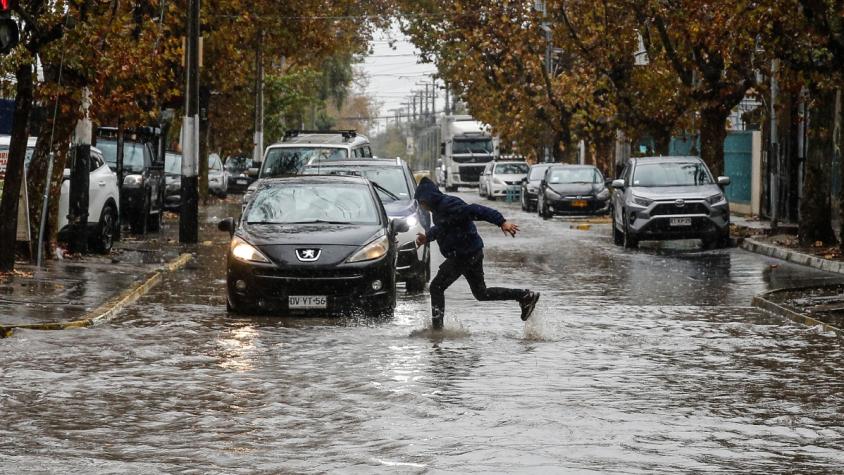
[538, 327]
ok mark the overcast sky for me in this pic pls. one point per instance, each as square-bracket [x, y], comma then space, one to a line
[394, 72]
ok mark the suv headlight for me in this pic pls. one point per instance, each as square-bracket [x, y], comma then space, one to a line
[641, 201]
[243, 251]
[374, 250]
[715, 199]
[133, 181]
[604, 195]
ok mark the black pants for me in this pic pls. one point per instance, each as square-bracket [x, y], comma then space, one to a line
[472, 268]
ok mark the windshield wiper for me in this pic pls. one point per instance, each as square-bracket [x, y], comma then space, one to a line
[319, 221]
[386, 191]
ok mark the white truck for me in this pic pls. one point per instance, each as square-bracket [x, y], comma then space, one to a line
[466, 148]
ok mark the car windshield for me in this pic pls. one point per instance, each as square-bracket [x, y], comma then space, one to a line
[472, 146]
[238, 164]
[575, 175]
[391, 178]
[672, 174]
[313, 203]
[133, 155]
[173, 164]
[214, 163]
[536, 173]
[511, 168]
[286, 161]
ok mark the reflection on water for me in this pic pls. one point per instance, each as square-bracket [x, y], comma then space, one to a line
[634, 362]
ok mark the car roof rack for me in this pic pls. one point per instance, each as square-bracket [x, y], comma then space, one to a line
[347, 134]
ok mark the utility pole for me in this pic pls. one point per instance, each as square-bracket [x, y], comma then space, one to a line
[258, 151]
[434, 102]
[80, 179]
[447, 98]
[189, 216]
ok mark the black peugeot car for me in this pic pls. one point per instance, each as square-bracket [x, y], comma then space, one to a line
[313, 244]
[573, 190]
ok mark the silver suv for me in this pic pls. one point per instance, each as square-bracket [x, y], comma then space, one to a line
[662, 198]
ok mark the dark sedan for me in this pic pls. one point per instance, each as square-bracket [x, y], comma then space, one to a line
[313, 245]
[573, 190]
[530, 186]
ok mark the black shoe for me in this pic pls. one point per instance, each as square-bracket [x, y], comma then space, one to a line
[437, 323]
[528, 303]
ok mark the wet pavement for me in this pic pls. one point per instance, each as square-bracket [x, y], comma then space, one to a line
[635, 362]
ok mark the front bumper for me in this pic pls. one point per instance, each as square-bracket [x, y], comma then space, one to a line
[587, 206]
[707, 222]
[411, 259]
[267, 287]
[132, 200]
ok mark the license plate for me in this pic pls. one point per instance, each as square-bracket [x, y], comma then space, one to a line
[307, 301]
[681, 221]
[241, 182]
[579, 204]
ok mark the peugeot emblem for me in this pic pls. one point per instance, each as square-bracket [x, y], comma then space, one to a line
[680, 203]
[308, 255]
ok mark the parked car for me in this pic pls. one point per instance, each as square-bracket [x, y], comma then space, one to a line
[300, 148]
[670, 198]
[172, 181]
[142, 193]
[313, 244]
[530, 186]
[573, 190]
[500, 177]
[217, 177]
[103, 198]
[237, 168]
[398, 187]
[103, 204]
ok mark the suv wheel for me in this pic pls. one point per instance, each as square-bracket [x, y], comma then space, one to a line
[104, 239]
[544, 211]
[628, 241]
[617, 235]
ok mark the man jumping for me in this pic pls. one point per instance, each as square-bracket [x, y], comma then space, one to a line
[454, 230]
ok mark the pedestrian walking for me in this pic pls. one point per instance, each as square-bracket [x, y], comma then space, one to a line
[461, 245]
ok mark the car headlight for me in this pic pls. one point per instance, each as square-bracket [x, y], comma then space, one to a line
[133, 181]
[715, 199]
[604, 194]
[243, 251]
[373, 250]
[641, 201]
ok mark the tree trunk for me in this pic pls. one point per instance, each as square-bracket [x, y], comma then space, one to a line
[14, 168]
[713, 132]
[662, 141]
[815, 209]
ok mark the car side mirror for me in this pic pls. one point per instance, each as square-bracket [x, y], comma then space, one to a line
[618, 184]
[399, 225]
[608, 182]
[226, 225]
[252, 172]
[723, 181]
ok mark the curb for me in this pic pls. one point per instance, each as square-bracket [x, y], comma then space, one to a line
[792, 256]
[761, 301]
[108, 310]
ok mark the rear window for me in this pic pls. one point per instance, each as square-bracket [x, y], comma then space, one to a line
[287, 161]
[313, 203]
[391, 178]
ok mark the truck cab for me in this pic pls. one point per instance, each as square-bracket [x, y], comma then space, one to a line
[467, 146]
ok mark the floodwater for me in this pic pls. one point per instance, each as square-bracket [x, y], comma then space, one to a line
[635, 362]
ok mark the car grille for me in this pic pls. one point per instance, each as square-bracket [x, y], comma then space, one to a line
[470, 174]
[511, 183]
[670, 209]
[282, 283]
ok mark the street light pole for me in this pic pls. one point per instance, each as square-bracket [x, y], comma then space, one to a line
[189, 216]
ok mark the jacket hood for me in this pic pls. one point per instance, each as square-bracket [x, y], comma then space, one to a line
[428, 192]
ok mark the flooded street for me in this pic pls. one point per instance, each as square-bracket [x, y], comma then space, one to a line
[635, 362]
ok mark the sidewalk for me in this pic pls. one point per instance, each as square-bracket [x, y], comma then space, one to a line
[81, 291]
[821, 306]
